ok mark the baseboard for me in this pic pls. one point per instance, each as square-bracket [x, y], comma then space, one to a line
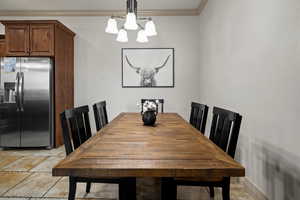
[252, 189]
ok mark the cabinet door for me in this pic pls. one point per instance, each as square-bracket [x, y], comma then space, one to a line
[2, 48]
[41, 40]
[17, 39]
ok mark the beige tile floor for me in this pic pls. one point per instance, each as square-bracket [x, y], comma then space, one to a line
[26, 175]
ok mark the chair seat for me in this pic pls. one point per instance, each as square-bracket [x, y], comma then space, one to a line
[196, 179]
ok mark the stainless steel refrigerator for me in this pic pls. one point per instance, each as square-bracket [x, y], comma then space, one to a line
[26, 102]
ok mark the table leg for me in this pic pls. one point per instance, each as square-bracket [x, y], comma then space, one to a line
[148, 188]
[168, 189]
[127, 189]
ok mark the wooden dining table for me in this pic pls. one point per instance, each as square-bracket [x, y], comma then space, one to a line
[170, 149]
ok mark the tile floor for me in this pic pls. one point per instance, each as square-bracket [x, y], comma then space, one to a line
[26, 175]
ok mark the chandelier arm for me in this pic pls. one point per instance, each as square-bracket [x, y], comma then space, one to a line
[124, 18]
[118, 17]
[144, 18]
[141, 27]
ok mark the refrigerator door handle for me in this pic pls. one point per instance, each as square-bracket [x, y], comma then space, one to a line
[21, 84]
[17, 92]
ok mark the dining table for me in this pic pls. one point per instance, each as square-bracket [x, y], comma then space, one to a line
[172, 148]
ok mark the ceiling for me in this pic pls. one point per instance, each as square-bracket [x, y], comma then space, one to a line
[86, 5]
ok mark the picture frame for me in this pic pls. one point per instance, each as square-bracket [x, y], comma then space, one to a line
[148, 67]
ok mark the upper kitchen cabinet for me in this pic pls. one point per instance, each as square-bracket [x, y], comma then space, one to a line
[17, 39]
[32, 38]
[2, 46]
[41, 39]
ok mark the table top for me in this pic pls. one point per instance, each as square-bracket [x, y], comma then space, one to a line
[127, 148]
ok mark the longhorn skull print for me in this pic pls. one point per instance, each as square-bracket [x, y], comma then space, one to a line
[147, 74]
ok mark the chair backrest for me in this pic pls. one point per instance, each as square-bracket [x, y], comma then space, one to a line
[76, 127]
[100, 114]
[161, 101]
[198, 116]
[225, 129]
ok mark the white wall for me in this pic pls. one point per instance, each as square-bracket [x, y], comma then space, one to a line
[250, 63]
[98, 64]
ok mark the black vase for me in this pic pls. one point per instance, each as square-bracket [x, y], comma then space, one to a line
[149, 118]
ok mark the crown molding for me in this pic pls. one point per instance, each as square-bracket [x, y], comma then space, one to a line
[201, 6]
[174, 12]
[177, 12]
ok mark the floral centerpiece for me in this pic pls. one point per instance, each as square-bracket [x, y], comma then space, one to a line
[149, 112]
[149, 106]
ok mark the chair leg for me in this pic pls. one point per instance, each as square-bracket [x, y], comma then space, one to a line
[72, 188]
[226, 189]
[168, 189]
[88, 187]
[211, 191]
[127, 189]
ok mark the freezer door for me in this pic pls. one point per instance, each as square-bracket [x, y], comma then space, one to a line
[9, 102]
[35, 77]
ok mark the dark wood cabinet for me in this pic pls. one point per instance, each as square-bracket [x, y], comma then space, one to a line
[2, 47]
[46, 38]
[31, 39]
[64, 76]
[17, 40]
[41, 40]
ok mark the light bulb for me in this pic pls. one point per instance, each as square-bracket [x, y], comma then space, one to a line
[112, 26]
[130, 23]
[142, 37]
[150, 28]
[122, 36]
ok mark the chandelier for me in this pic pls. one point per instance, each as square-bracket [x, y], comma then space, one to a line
[132, 22]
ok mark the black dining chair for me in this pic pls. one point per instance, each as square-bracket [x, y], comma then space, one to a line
[160, 101]
[224, 132]
[76, 130]
[100, 114]
[198, 116]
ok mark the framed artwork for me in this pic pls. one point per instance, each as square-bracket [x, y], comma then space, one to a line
[148, 68]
